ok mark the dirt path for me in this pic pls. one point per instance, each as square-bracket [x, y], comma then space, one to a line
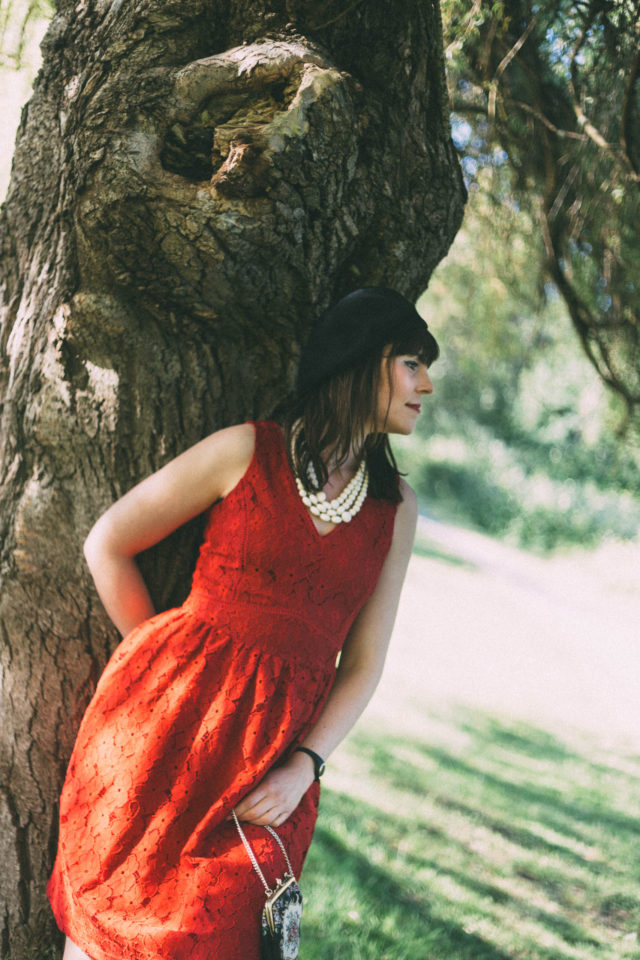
[553, 642]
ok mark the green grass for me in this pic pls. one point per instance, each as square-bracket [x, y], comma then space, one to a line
[497, 841]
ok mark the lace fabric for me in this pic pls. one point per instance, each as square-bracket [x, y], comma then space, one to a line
[192, 710]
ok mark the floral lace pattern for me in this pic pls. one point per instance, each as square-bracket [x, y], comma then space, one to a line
[194, 707]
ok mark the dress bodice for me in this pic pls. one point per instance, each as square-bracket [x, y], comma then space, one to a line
[262, 549]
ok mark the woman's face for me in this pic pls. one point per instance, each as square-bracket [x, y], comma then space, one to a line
[404, 382]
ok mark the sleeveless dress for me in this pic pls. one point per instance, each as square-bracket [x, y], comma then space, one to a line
[193, 709]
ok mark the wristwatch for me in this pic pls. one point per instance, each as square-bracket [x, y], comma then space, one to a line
[318, 762]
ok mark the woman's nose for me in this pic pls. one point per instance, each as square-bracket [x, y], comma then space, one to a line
[426, 386]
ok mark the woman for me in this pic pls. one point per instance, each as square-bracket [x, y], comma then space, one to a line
[233, 700]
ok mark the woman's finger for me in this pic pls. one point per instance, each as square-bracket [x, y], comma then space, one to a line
[250, 801]
[254, 812]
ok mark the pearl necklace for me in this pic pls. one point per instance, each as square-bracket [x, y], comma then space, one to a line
[344, 507]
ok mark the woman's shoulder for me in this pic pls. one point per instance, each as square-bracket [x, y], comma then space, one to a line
[252, 444]
[407, 511]
[222, 457]
[408, 494]
[236, 443]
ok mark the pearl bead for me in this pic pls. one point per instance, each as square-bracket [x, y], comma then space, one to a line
[344, 507]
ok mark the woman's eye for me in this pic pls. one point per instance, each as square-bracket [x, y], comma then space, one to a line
[412, 364]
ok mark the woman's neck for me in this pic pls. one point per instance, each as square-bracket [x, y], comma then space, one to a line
[345, 467]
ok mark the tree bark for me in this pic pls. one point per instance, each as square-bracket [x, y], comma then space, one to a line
[193, 181]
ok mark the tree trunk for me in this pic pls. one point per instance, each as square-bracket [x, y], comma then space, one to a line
[193, 180]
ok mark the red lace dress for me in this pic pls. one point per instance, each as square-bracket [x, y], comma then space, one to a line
[192, 710]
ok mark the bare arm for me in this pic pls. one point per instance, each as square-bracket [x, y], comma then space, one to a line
[361, 663]
[152, 510]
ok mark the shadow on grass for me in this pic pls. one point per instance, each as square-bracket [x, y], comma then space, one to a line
[380, 895]
[569, 807]
[458, 854]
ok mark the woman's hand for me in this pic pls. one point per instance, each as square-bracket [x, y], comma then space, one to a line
[279, 793]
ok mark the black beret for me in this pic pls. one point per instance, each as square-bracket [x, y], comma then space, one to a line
[360, 324]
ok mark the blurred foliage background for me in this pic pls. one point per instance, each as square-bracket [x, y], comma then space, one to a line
[22, 26]
[533, 433]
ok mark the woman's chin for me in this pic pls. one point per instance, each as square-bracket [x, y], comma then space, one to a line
[403, 429]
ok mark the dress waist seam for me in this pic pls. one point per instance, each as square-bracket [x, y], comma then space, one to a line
[195, 598]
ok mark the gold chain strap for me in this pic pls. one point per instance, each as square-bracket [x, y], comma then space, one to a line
[252, 855]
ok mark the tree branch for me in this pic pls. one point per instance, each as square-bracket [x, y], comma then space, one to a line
[585, 324]
[592, 132]
[459, 42]
[504, 63]
[570, 134]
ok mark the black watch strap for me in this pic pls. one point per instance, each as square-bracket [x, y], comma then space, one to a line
[318, 762]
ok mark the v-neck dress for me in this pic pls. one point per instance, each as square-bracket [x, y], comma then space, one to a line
[195, 706]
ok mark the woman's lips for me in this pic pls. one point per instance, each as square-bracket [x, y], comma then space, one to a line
[413, 406]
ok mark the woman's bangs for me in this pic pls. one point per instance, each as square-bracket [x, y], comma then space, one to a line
[423, 345]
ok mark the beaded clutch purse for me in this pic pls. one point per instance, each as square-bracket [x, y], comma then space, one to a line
[280, 921]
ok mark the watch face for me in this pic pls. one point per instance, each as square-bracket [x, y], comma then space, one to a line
[321, 769]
